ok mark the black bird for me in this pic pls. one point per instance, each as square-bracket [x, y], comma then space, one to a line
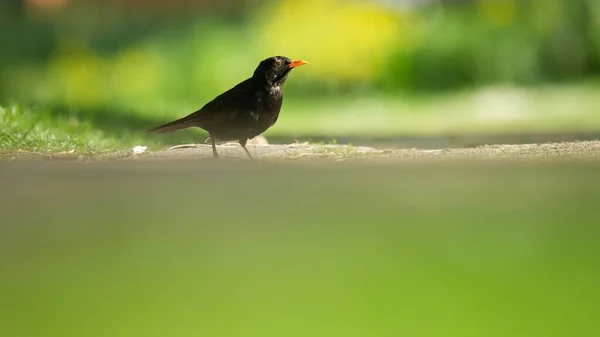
[244, 111]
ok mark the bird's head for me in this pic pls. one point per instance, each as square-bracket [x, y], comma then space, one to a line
[274, 71]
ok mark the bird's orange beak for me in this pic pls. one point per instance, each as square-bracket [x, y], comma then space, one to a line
[297, 63]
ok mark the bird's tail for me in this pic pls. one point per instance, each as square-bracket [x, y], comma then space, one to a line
[179, 124]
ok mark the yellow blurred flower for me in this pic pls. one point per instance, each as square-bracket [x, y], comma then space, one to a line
[499, 12]
[79, 71]
[348, 40]
[135, 74]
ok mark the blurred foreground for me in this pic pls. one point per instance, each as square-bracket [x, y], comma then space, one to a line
[254, 249]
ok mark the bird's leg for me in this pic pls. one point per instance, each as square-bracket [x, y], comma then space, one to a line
[243, 144]
[214, 147]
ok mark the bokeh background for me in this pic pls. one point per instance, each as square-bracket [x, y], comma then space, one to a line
[382, 69]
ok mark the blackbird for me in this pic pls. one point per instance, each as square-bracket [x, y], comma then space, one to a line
[244, 111]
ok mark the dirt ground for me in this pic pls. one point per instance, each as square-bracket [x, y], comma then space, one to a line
[305, 151]
[562, 151]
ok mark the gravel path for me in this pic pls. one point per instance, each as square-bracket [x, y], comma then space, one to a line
[550, 151]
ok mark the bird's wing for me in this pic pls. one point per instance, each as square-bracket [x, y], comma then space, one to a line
[238, 103]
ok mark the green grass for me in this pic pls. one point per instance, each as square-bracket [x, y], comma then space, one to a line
[37, 130]
[87, 131]
[55, 128]
[255, 249]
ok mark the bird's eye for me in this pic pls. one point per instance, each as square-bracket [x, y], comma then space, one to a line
[278, 63]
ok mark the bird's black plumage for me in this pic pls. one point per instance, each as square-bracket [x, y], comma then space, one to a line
[244, 111]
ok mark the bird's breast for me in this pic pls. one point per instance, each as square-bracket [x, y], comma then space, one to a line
[269, 105]
[270, 101]
[275, 91]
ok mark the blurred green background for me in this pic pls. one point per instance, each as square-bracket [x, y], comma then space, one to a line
[101, 72]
